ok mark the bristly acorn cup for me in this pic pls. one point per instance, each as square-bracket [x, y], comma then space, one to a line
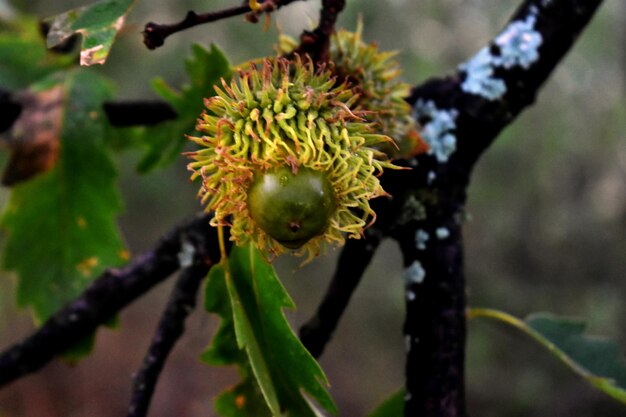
[374, 76]
[281, 139]
[291, 153]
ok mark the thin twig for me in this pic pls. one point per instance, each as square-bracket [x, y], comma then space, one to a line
[138, 112]
[354, 258]
[171, 326]
[110, 293]
[119, 113]
[316, 43]
[154, 34]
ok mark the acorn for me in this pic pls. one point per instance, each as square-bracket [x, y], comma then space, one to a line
[285, 160]
[292, 208]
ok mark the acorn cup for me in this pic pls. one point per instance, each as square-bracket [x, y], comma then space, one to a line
[285, 161]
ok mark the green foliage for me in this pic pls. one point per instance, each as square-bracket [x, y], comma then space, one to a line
[165, 141]
[248, 296]
[97, 23]
[598, 361]
[24, 58]
[391, 407]
[60, 227]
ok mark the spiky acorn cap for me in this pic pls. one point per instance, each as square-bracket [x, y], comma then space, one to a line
[374, 76]
[287, 114]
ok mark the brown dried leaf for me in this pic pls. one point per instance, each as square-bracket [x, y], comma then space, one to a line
[34, 137]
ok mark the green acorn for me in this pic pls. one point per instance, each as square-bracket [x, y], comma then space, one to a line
[285, 161]
[292, 208]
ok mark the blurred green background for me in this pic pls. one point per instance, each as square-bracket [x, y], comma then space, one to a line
[546, 228]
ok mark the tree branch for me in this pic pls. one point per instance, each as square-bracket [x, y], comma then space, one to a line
[119, 113]
[154, 34]
[492, 88]
[354, 258]
[171, 327]
[316, 44]
[110, 293]
[435, 327]
[138, 112]
[460, 117]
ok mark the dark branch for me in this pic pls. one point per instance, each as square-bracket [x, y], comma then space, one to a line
[119, 113]
[353, 260]
[154, 34]
[171, 327]
[434, 328]
[484, 109]
[316, 44]
[461, 115]
[138, 113]
[10, 110]
[110, 293]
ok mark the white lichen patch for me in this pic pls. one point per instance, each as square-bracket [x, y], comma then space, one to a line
[442, 233]
[519, 44]
[516, 46]
[431, 177]
[186, 254]
[421, 237]
[480, 78]
[437, 128]
[415, 273]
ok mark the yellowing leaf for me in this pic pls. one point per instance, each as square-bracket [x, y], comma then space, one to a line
[60, 228]
[34, 137]
[98, 24]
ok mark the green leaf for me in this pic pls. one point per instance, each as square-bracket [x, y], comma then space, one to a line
[223, 349]
[597, 360]
[283, 369]
[165, 141]
[24, 58]
[391, 407]
[205, 69]
[60, 226]
[98, 24]
[245, 399]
